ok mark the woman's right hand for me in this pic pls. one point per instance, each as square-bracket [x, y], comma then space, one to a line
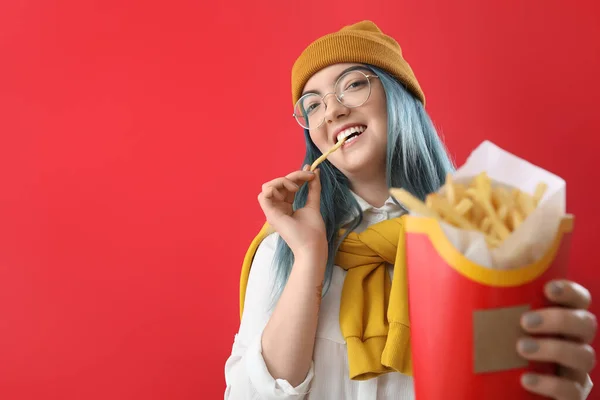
[304, 229]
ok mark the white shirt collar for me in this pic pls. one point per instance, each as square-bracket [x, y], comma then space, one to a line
[373, 215]
[389, 206]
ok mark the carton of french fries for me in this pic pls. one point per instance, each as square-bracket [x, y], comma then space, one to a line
[478, 254]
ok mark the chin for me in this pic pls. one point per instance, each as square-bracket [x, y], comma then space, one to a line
[361, 166]
[364, 158]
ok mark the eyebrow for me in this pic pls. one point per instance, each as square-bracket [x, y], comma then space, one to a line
[353, 68]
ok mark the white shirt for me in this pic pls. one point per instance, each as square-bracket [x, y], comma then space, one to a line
[246, 374]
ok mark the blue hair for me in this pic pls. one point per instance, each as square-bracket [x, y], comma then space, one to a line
[417, 161]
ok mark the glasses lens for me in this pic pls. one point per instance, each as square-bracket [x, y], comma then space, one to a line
[353, 88]
[309, 111]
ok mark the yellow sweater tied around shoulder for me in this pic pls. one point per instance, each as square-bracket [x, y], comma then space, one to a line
[374, 308]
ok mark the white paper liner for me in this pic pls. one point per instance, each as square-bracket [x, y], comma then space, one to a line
[530, 241]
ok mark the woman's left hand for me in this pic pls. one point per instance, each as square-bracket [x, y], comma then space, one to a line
[573, 328]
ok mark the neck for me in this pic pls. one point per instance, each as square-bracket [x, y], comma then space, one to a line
[374, 192]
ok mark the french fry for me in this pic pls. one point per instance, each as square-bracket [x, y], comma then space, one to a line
[492, 242]
[514, 194]
[480, 196]
[464, 206]
[450, 191]
[442, 207]
[497, 225]
[429, 201]
[460, 191]
[494, 211]
[477, 213]
[484, 186]
[412, 203]
[501, 196]
[327, 153]
[486, 224]
[526, 203]
[502, 212]
[516, 219]
[540, 189]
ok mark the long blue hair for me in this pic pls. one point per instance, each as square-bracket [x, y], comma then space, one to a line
[417, 161]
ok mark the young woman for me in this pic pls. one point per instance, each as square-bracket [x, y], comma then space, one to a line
[291, 343]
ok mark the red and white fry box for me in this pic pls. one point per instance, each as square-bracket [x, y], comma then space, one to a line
[466, 300]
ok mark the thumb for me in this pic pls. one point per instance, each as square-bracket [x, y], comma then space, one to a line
[313, 198]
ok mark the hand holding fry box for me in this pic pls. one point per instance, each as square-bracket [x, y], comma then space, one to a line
[478, 254]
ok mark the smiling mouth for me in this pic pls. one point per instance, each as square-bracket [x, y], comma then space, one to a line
[350, 133]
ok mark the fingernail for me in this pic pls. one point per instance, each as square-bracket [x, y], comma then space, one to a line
[528, 345]
[557, 288]
[532, 319]
[529, 379]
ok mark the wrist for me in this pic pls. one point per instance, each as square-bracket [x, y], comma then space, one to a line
[314, 255]
[315, 261]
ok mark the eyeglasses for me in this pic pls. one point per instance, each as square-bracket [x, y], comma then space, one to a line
[352, 90]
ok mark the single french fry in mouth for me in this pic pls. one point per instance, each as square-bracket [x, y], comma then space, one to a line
[327, 153]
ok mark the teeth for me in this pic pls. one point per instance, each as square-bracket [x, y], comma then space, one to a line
[350, 131]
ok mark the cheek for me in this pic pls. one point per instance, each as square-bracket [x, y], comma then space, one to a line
[379, 113]
[380, 124]
[319, 138]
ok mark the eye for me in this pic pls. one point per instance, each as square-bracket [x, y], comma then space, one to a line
[355, 84]
[309, 108]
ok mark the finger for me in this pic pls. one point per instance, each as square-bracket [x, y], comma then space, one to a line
[299, 177]
[271, 193]
[574, 355]
[568, 293]
[314, 191]
[292, 188]
[577, 324]
[281, 183]
[574, 375]
[554, 387]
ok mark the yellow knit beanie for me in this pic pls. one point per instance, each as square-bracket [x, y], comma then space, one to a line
[362, 42]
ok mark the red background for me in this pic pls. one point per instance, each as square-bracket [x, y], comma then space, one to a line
[135, 135]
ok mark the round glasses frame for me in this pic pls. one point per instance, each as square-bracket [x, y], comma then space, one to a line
[338, 98]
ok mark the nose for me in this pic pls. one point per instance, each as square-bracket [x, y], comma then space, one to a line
[334, 109]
